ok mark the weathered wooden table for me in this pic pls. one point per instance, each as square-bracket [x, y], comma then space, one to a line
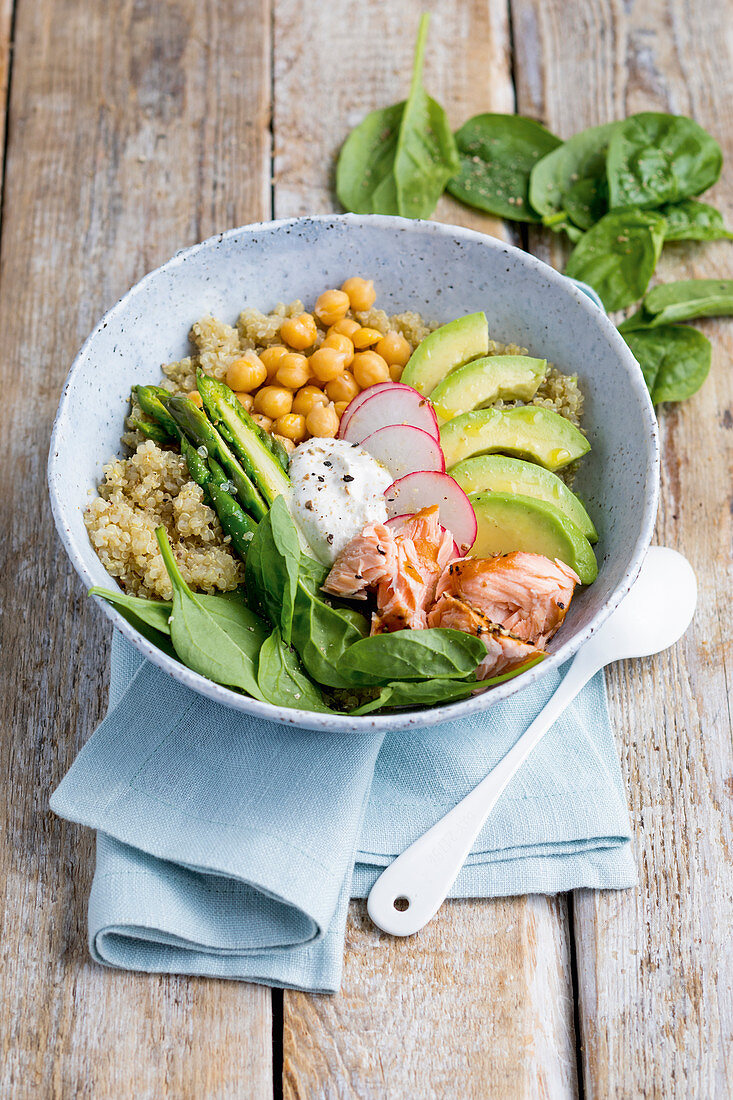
[135, 127]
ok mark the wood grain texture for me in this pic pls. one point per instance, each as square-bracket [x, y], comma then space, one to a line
[481, 1002]
[656, 964]
[135, 128]
[478, 1004]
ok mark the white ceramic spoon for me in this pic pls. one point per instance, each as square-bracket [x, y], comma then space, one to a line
[654, 615]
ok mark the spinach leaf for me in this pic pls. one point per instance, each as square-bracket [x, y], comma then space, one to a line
[674, 360]
[413, 655]
[690, 298]
[656, 158]
[424, 693]
[690, 220]
[365, 182]
[154, 613]
[219, 638]
[322, 633]
[426, 155]
[282, 680]
[617, 256]
[571, 179]
[271, 569]
[399, 159]
[497, 154]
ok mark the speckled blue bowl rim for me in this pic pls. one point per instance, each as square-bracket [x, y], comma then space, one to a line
[403, 720]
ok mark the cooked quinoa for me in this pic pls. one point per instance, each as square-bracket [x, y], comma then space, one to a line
[152, 486]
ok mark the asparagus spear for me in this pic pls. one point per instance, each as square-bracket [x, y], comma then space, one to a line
[209, 475]
[202, 434]
[151, 428]
[149, 400]
[252, 445]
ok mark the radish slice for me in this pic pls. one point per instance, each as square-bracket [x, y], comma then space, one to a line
[405, 449]
[400, 405]
[359, 400]
[424, 488]
[395, 520]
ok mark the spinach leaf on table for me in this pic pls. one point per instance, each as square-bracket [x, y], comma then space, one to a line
[572, 178]
[282, 680]
[497, 154]
[217, 637]
[682, 301]
[656, 158]
[435, 653]
[399, 159]
[421, 693]
[617, 256]
[674, 359]
[272, 566]
[690, 298]
[691, 220]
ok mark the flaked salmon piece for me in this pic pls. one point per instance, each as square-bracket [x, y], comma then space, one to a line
[403, 562]
[504, 651]
[527, 594]
[367, 560]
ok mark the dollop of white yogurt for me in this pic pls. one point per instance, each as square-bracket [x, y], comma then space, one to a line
[337, 488]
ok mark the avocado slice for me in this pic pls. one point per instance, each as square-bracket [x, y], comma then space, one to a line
[508, 521]
[442, 351]
[529, 431]
[502, 474]
[485, 380]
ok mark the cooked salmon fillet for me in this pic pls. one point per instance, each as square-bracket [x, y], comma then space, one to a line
[504, 651]
[527, 594]
[403, 562]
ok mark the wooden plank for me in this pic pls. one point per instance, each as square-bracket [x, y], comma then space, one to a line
[655, 967]
[477, 1004]
[480, 1002]
[134, 129]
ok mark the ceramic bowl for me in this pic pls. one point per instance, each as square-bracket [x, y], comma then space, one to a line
[441, 272]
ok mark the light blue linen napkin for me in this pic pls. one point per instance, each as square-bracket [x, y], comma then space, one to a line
[229, 847]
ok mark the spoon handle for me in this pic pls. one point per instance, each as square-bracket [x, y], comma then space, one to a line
[410, 891]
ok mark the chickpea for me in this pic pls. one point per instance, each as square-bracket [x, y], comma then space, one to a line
[273, 401]
[395, 371]
[360, 291]
[369, 368]
[292, 426]
[245, 399]
[394, 348]
[347, 327]
[196, 397]
[326, 363]
[365, 338]
[332, 306]
[263, 422]
[342, 344]
[322, 421]
[246, 373]
[287, 443]
[271, 358]
[293, 371]
[299, 332]
[343, 388]
[341, 407]
[306, 398]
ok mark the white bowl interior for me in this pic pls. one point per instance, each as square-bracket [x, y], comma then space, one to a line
[439, 271]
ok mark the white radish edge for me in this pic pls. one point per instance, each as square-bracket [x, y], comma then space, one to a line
[429, 445]
[461, 523]
[372, 391]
